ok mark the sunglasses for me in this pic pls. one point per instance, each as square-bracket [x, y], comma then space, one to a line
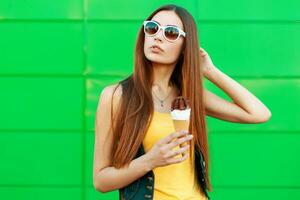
[170, 33]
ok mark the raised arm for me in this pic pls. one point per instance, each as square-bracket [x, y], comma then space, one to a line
[244, 108]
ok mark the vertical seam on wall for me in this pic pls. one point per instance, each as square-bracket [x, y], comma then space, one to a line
[197, 10]
[84, 96]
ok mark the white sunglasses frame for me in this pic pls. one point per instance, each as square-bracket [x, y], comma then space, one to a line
[181, 32]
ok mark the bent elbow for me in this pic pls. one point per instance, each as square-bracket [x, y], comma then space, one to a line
[267, 116]
[264, 118]
[98, 187]
[256, 119]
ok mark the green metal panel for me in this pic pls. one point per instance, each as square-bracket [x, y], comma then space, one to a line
[57, 56]
[36, 9]
[41, 158]
[41, 103]
[249, 10]
[250, 193]
[255, 159]
[38, 47]
[89, 156]
[253, 49]
[45, 193]
[132, 9]
[113, 40]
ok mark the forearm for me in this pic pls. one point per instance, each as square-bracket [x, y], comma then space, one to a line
[110, 178]
[240, 95]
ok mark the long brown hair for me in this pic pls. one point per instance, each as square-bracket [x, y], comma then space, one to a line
[136, 107]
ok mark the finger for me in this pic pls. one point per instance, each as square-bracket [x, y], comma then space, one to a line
[173, 153]
[172, 136]
[201, 49]
[178, 160]
[184, 144]
[177, 142]
[202, 52]
[188, 143]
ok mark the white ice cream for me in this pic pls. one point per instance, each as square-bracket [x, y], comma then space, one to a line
[181, 114]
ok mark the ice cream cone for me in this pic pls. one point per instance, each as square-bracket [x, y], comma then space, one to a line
[181, 123]
[180, 113]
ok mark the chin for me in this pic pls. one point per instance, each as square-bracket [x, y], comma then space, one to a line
[157, 59]
[154, 58]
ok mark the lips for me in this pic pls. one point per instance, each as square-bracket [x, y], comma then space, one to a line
[156, 47]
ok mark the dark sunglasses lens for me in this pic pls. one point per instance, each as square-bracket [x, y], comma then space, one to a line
[171, 33]
[151, 28]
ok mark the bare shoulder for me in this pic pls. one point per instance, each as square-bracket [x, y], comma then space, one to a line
[110, 93]
[114, 89]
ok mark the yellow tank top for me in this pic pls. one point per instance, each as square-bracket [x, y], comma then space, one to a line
[174, 181]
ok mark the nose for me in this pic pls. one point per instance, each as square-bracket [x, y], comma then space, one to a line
[159, 35]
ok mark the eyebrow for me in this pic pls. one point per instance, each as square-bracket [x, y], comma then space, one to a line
[166, 25]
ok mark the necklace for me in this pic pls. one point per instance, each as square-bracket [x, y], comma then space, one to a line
[162, 100]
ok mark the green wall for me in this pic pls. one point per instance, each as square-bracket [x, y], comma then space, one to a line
[56, 57]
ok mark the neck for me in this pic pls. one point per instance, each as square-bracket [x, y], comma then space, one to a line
[162, 74]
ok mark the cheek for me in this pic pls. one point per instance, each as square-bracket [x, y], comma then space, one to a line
[147, 41]
[146, 44]
[172, 52]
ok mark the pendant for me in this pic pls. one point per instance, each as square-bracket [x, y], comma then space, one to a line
[161, 104]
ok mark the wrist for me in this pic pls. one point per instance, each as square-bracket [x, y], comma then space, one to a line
[147, 164]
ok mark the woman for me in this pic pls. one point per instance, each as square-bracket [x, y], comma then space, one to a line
[136, 112]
